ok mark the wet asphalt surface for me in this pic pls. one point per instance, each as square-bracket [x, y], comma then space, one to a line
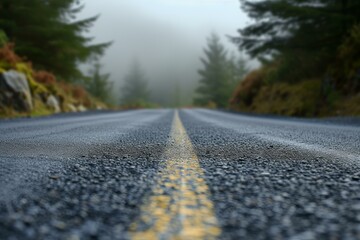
[86, 176]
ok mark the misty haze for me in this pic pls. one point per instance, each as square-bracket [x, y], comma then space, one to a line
[166, 37]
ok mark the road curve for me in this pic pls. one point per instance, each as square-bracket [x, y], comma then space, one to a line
[94, 176]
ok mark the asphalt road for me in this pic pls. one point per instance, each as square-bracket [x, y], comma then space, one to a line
[195, 174]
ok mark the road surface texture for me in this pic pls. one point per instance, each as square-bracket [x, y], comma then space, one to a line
[187, 174]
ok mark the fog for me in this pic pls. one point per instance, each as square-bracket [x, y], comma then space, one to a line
[166, 36]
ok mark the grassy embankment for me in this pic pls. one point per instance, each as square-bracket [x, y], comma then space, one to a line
[43, 84]
[335, 92]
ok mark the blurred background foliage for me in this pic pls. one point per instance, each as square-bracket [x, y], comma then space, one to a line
[70, 97]
[219, 76]
[308, 52]
[48, 34]
[310, 55]
[51, 42]
[134, 92]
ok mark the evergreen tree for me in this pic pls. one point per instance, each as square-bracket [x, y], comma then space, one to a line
[301, 36]
[134, 91]
[98, 84]
[215, 84]
[237, 70]
[313, 25]
[46, 32]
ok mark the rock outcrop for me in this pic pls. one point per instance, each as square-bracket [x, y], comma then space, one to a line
[25, 91]
[53, 103]
[15, 91]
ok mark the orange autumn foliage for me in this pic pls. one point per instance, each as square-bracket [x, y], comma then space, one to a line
[45, 77]
[8, 55]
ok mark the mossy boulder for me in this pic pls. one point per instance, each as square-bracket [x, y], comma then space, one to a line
[15, 91]
[45, 95]
[36, 88]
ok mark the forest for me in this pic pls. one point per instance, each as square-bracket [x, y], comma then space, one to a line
[308, 52]
[41, 48]
[310, 58]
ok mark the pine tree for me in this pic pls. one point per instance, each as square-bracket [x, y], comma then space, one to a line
[98, 84]
[134, 91]
[300, 36]
[313, 25]
[237, 70]
[215, 80]
[45, 32]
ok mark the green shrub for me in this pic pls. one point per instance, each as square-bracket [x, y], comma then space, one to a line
[3, 38]
[346, 69]
[300, 99]
[247, 90]
[348, 106]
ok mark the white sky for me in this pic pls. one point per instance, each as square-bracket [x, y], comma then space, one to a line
[167, 36]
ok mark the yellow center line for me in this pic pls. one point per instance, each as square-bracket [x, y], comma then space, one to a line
[179, 207]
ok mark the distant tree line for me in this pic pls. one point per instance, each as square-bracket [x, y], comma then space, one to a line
[134, 92]
[98, 84]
